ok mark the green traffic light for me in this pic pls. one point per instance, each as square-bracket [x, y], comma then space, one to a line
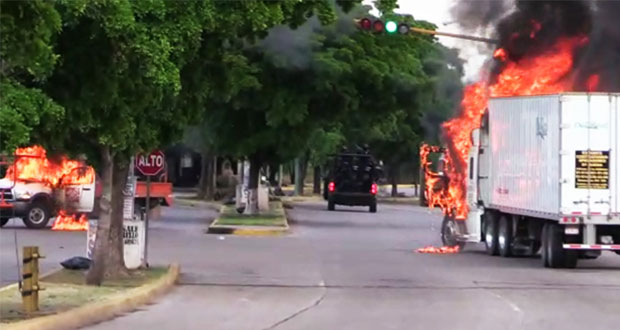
[391, 26]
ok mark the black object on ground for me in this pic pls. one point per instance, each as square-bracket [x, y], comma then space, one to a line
[76, 263]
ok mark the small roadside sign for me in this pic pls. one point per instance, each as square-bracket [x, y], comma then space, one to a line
[151, 164]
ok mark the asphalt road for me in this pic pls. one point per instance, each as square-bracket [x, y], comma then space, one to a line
[350, 269]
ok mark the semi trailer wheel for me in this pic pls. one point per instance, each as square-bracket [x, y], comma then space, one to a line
[3, 221]
[504, 236]
[556, 256]
[490, 234]
[543, 246]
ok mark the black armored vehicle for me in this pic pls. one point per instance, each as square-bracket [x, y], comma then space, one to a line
[352, 180]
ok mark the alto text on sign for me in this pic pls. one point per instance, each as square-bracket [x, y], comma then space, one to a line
[150, 164]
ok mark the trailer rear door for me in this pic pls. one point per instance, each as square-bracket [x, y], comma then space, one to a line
[589, 154]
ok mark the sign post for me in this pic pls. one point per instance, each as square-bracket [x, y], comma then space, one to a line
[149, 165]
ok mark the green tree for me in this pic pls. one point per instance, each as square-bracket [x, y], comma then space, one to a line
[117, 79]
[237, 105]
[27, 57]
[134, 74]
[361, 85]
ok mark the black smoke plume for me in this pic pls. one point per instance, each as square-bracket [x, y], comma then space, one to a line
[533, 25]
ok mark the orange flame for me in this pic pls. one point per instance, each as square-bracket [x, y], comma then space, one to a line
[439, 250]
[32, 164]
[592, 82]
[545, 73]
[70, 223]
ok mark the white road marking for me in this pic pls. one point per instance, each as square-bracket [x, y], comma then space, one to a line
[510, 303]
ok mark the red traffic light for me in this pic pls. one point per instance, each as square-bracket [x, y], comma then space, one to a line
[378, 26]
[365, 24]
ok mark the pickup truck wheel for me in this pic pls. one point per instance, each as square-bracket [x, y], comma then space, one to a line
[3, 221]
[38, 215]
[555, 254]
[490, 234]
[504, 237]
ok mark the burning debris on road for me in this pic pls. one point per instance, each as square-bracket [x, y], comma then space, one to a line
[65, 222]
[439, 250]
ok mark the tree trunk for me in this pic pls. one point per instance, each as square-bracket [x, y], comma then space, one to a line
[273, 174]
[115, 261]
[213, 176]
[206, 189]
[202, 184]
[394, 180]
[316, 188]
[252, 207]
[299, 178]
[291, 172]
[394, 188]
[97, 270]
[280, 174]
[239, 189]
[304, 169]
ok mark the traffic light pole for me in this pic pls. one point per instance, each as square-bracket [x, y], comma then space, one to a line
[454, 35]
[379, 26]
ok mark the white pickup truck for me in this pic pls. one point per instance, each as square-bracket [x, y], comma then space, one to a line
[37, 202]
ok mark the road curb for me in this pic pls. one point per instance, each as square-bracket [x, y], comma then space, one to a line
[246, 231]
[103, 310]
[214, 228]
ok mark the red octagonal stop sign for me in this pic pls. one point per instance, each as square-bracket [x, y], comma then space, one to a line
[150, 164]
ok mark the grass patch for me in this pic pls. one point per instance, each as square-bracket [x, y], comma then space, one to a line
[136, 277]
[65, 290]
[274, 217]
[251, 221]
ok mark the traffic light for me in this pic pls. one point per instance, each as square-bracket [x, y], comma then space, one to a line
[378, 26]
[391, 26]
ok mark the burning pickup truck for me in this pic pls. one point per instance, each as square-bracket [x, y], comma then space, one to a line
[36, 188]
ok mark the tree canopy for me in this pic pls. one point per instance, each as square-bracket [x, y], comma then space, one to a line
[27, 58]
[269, 80]
[318, 86]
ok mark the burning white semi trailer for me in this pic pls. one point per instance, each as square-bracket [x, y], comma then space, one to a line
[543, 174]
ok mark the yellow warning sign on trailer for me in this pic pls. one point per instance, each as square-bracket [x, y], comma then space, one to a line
[591, 169]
